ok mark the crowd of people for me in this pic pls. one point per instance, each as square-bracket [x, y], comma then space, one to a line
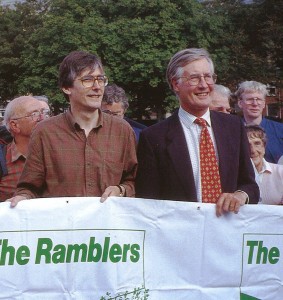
[203, 152]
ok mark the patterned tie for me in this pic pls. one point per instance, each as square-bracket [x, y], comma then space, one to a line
[210, 179]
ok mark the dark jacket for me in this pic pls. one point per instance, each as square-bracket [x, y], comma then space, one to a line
[164, 165]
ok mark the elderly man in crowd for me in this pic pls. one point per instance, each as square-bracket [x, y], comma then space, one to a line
[251, 99]
[220, 99]
[21, 116]
[269, 177]
[196, 154]
[5, 135]
[81, 152]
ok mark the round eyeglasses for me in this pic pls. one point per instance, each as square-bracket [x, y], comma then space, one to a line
[89, 81]
[195, 79]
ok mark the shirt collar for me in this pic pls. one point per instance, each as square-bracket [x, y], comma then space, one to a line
[266, 168]
[15, 153]
[188, 119]
[75, 125]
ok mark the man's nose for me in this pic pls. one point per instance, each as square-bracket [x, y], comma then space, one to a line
[40, 118]
[95, 84]
[252, 149]
[202, 82]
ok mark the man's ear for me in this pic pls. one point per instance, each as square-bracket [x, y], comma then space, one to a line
[175, 85]
[14, 126]
[240, 103]
[66, 91]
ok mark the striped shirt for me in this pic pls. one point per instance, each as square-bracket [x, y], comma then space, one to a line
[63, 162]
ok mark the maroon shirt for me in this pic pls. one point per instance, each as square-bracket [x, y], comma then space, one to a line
[62, 161]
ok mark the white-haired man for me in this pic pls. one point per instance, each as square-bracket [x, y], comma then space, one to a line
[251, 99]
[21, 116]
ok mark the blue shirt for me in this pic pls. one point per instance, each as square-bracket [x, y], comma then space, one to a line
[274, 146]
[137, 127]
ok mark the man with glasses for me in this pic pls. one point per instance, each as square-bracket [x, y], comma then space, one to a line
[81, 152]
[5, 135]
[21, 116]
[115, 102]
[196, 154]
[251, 99]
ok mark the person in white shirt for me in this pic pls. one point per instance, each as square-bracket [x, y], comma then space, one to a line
[269, 176]
[280, 161]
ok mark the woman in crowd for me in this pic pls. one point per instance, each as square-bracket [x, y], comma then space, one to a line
[269, 177]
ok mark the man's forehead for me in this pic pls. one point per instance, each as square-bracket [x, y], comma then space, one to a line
[33, 107]
[252, 94]
[198, 66]
[30, 104]
[91, 71]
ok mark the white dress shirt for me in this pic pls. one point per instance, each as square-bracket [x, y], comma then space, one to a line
[192, 134]
[270, 182]
[280, 161]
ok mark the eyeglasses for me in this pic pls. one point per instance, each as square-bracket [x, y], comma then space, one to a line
[194, 80]
[113, 113]
[34, 116]
[251, 100]
[89, 81]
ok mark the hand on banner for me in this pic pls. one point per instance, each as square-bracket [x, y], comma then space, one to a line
[113, 190]
[15, 200]
[230, 202]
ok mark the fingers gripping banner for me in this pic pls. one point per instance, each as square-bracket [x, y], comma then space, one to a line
[126, 248]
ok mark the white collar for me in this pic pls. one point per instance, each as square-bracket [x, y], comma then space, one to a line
[188, 119]
[266, 168]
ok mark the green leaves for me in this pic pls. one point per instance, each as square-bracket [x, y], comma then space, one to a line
[135, 40]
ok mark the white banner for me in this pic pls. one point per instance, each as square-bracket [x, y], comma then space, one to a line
[126, 248]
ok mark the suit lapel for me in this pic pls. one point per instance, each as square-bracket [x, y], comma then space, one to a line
[220, 138]
[179, 155]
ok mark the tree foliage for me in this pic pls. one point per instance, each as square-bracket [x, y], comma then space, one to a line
[135, 40]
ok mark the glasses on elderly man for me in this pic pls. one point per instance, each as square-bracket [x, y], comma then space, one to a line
[196, 78]
[35, 116]
[89, 81]
[118, 113]
[252, 100]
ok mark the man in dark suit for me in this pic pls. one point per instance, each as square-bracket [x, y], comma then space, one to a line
[168, 152]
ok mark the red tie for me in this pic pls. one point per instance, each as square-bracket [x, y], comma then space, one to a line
[210, 179]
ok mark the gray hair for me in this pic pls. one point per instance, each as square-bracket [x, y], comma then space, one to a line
[250, 87]
[12, 109]
[181, 59]
[114, 93]
[222, 90]
[41, 98]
